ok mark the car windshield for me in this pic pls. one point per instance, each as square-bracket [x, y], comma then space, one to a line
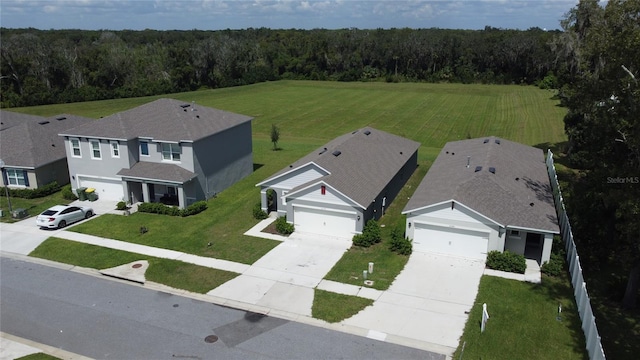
[49, 212]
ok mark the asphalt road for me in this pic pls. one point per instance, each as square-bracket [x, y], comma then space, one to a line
[106, 319]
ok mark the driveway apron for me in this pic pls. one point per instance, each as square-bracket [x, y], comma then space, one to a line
[432, 296]
[285, 278]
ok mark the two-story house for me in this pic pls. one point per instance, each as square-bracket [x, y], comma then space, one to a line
[164, 151]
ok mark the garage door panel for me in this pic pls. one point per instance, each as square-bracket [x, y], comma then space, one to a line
[324, 221]
[458, 242]
[105, 188]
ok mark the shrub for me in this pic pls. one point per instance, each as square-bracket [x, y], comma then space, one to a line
[399, 243]
[258, 213]
[283, 227]
[42, 191]
[121, 205]
[67, 194]
[195, 208]
[556, 264]
[371, 234]
[506, 261]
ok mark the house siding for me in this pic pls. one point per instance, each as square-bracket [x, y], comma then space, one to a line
[107, 167]
[222, 159]
[56, 171]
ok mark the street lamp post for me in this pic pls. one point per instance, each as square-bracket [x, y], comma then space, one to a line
[6, 187]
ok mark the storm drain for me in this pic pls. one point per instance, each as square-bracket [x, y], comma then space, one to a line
[211, 339]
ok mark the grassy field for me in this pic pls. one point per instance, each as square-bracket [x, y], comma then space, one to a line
[33, 206]
[523, 322]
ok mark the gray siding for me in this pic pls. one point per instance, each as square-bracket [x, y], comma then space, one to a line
[55, 171]
[223, 159]
[106, 167]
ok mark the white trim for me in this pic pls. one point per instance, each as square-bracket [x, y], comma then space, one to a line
[15, 177]
[326, 209]
[90, 137]
[510, 227]
[114, 149]
[328, 186]
[154, 181]
[422, 209]
[292, 170]
[92, 149]
[171, 152]
[72, 147]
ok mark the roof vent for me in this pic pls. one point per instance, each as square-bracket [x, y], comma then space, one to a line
[498, 141]
[531, 204]
[185, 110]
[485, 141]
[322, 151]
[61, 118]
[198, 116]
[453, 153]
[492, 170]
[478, 168]
[367, 132]
[184, 106]
[43, 122]
[337, 153]
[517, 179]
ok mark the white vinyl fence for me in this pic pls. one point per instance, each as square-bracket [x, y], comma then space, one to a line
[594, 346]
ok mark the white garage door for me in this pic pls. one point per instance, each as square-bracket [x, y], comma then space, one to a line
[105, 188]
[451, 241]
[326, 222]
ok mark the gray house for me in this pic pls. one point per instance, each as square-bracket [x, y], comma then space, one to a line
[481, 195]
[32, 152]
[337, 188]
[165, 151]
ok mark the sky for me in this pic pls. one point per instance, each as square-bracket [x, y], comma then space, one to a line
[281, 14]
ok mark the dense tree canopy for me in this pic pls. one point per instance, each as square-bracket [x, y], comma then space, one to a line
[602, 66]
[57, 66]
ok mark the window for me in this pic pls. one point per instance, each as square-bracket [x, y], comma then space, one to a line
[115, 149]
[95, 149]
[16, 177]
[171, 152]
[75, 148]
[144, 148]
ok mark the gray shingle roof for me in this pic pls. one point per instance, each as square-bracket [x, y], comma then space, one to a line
[156, 171]
[366, 163]
[520, 179]
[32, 141]
[163, 119]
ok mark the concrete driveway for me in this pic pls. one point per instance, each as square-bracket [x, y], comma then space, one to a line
[431, 296]
[285, 278]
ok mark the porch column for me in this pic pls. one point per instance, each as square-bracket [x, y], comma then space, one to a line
[181, 199]
[546, 248]
[125, 189]
[263, 199]
[145, 192]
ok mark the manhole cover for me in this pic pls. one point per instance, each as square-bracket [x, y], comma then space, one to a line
[135, 266]
[211, 339]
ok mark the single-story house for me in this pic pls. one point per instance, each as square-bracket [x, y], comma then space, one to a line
[337, 188]
[481, 195]
[164, 151]
[31, 150]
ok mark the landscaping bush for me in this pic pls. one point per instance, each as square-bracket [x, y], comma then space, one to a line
[399, 243]
[258, 213]
[121, 205]
[283, 227]
[67, 194]
[371, 234]
[556, 264]
[42, 191]
[195, 208]
[506, 261]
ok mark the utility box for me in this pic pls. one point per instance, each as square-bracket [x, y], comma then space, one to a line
[82, 196]
[19, 213]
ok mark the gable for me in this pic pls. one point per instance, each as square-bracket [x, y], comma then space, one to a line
[452, 210]
[313, 193]
[295, 177]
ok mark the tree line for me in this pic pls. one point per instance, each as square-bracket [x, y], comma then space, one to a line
[59, 66]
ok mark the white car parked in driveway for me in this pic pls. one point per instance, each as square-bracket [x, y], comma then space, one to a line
[60, 216]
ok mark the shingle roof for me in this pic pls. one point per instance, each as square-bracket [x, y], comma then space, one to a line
[506, 196]
[366, 163]
[157, 171]
[32, 141]
[163, 119]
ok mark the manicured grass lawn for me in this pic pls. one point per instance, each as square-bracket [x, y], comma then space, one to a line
[522, 323]
[332, 307]
[38, 356]
[33, 206]
[173, 273]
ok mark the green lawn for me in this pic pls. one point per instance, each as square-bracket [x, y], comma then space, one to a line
[332, 307]
[33, 206]
[38, 356]
[523, 322]
[173, 273]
